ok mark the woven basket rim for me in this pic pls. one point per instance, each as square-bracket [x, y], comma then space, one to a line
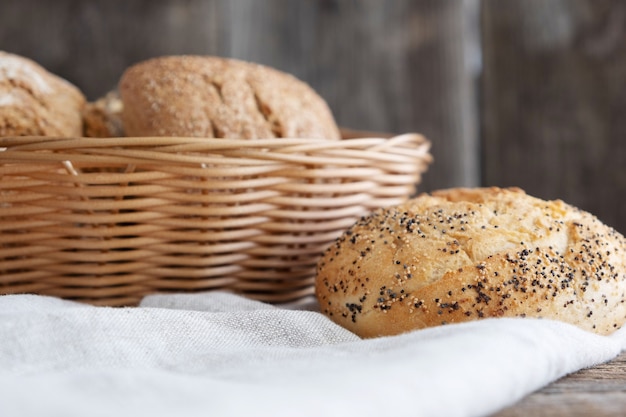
[203, 143]
[193, 151]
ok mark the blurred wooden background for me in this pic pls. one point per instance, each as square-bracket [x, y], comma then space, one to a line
[529, 93]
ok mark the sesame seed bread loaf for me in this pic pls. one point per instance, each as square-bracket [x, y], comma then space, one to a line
[464, 254]
[35, 102]
[203, 96]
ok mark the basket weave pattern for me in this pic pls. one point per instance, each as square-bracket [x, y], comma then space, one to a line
[107, 221]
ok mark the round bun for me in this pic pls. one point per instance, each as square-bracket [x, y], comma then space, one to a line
[463, 254]
[215, 97]
[102, 118]
[34, 102]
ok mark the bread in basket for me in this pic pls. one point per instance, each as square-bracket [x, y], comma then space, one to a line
[109, 220]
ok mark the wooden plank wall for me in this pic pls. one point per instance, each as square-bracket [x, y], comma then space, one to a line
[554, 101]
[509, 92]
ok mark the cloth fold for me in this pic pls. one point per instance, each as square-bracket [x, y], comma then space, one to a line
[219, 354]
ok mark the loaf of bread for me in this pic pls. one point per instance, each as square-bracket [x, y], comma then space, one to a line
[213, 97]
[103, 117]
[464, 254]
[35, 102]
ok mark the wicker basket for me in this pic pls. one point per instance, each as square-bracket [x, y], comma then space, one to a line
[107, 221]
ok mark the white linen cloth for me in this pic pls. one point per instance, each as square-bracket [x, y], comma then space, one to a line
[218, 354]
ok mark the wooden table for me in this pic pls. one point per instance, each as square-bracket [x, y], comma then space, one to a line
[594, 392]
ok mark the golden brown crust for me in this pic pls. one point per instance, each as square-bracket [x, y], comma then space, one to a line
[462, 254]
[223, 98]
[103, 117]
[34, 102]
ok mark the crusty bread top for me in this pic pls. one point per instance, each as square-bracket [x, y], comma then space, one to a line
[223, 98]
[463, 254]
[34, 102]
[103, 117]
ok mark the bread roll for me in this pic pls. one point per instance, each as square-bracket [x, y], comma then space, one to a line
[103, 117]
[220, 98]
[464, 254]
[34, 102]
